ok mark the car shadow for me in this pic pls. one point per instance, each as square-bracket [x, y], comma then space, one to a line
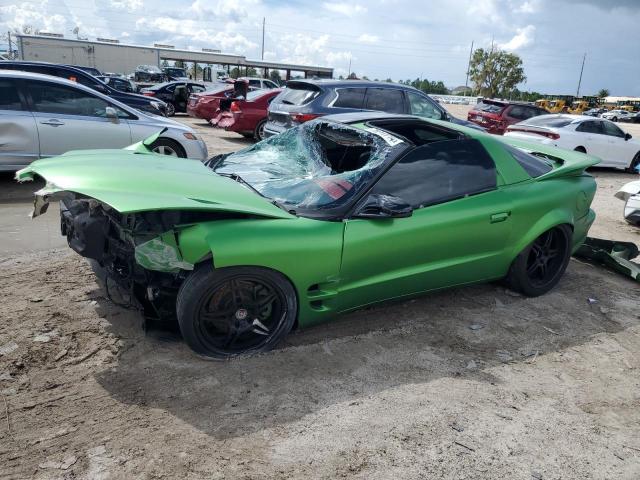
[464, 332]
[11, 191]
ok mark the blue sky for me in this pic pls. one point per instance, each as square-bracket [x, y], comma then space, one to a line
[383, 38]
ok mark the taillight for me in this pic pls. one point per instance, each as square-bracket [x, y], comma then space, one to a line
[551, 135]
[235, 107]
[148, 94]
[303, 117]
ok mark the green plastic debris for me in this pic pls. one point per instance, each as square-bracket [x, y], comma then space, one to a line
[615, 255]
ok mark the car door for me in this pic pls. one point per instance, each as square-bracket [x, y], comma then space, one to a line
[619, 152]
[590, 135]
[70, 118]
[18, 132]
[456, 234]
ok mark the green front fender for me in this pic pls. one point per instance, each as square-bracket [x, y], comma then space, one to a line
[307, 252]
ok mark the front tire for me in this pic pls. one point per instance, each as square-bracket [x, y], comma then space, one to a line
[234, 311]
[171, 110]
[539, 267]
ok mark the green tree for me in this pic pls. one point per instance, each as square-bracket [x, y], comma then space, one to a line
[165, 63]
[235, 72]
[274, 75]
[495, 72]
[179, 64]
[604, 92]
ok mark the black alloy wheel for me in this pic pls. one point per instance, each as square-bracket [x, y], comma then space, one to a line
[232, 311]
[539, 267]
[635, 163]
[545, 258]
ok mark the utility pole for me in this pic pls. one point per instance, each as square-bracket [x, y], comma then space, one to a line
[581, 70]
[349, 67]
[466, 82]
[263, 22]
[10, 47]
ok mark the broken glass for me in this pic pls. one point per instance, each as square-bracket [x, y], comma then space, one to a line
[318, 165]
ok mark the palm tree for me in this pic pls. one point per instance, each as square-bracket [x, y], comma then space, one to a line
[603, 93]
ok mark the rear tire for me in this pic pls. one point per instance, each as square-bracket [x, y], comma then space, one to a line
[539, 267]
[167, 146]
[234, 311]
[171, 110]
[258, 133]
[614, 119]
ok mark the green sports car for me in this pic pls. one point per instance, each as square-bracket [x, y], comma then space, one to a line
[338, 213]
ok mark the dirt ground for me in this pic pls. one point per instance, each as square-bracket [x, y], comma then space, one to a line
[474, 383]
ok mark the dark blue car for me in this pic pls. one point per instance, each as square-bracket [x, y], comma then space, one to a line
[139, 102]
[304, 100]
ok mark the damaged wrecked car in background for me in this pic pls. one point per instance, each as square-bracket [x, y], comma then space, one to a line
[335, 214]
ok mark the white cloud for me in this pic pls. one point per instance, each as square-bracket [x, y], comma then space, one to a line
[485, 10]
[15, 17]
[346, 9]
[522, 38]
[366, 38]
[529, 6]
[127, 4]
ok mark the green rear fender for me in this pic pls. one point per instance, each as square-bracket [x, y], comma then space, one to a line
[551, 219]
[308, 252]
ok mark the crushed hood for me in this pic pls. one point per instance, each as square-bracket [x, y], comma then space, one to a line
[131, 181]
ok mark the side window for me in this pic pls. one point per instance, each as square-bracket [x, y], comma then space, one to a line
[590, 127]
[384, 100]
[61, 99]
[197, 88]
[349, 98]
[269, 84]
[254, 83]
[612, 130]
[9, 99]
[517, 112]
[440, 172]
[420, 106]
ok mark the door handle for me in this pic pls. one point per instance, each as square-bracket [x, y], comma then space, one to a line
[53, 122]
[500, 217]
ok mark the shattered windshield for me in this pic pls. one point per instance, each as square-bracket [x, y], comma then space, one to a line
[317, 166]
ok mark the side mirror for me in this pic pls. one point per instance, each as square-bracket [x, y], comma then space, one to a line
[111, 114]
[383, 206]
[627, 136]
[101, 88]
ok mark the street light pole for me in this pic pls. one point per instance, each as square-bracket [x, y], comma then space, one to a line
[466, 82]
[581, 70]
[263, 22]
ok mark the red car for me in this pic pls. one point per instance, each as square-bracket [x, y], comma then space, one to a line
[496, 115]
[205, 105]
[246, 116]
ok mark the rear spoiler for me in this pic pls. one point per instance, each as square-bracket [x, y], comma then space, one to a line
[566, 162]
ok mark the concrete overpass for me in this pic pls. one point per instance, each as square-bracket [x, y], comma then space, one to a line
[113, 56]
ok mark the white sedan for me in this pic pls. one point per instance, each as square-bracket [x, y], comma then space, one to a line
[615, 115]
[594, 136]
